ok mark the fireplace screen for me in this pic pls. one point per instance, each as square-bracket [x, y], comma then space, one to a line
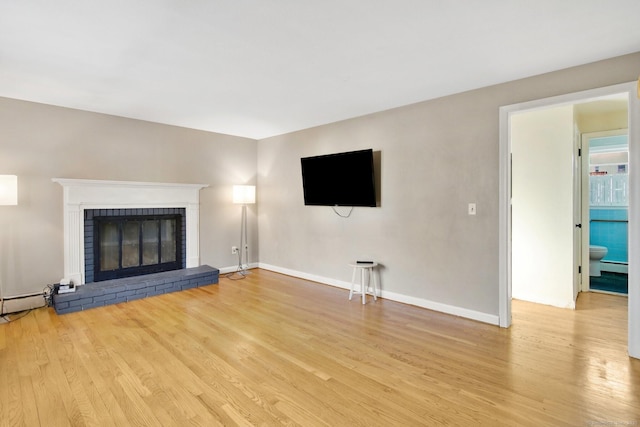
[131, 246]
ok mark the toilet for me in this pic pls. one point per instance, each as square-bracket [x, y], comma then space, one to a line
[596, 253]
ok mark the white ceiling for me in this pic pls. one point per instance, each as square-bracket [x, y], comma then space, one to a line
[258, 68]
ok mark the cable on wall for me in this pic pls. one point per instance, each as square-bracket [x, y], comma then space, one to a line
[342, 215]
[237, 275]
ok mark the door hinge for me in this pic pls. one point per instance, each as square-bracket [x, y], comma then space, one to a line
[579, 269]
[579, 152]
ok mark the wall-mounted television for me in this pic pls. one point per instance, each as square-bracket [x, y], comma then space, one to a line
[340, 179]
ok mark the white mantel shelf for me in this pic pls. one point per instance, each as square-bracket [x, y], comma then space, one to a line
[102, 183]
[81, 194]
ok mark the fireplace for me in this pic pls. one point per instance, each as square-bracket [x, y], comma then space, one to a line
[84, 200]
[132, 242]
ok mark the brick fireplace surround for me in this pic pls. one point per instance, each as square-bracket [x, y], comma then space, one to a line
[116, 291]
[80, 195]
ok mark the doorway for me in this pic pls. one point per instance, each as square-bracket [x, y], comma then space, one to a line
[505, 202]
[605, 209]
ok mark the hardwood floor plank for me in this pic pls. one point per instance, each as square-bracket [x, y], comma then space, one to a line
[276, 350]
[14, 410]
[206, 374]
[100, 372]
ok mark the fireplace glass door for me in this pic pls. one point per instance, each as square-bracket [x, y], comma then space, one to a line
[131, 246]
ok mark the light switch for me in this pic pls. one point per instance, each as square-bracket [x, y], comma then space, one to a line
[472, 208]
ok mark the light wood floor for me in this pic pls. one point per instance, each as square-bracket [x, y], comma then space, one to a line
[275, 350]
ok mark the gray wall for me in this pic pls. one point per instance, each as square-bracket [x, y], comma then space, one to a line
[437, 156]
[39, 142]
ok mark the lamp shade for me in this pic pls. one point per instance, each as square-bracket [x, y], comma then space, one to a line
[244, 194]
[8, 190]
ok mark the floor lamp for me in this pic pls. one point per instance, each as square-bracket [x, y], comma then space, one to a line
[8, 197]
[244, 195]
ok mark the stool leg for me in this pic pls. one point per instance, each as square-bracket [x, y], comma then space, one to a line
[363, 287]
[375, 284]
[353, 281]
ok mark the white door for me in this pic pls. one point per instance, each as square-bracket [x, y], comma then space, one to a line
[543, 207]
[577, 214]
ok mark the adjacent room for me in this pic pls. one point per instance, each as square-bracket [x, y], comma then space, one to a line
[179, 243]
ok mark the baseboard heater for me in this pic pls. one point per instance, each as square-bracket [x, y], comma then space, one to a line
[615, 267]
[21, 303]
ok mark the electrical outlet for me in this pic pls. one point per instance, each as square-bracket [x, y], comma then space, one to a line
[234, 249]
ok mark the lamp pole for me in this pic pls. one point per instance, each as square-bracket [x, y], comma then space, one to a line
[244, 195]
[243, 241]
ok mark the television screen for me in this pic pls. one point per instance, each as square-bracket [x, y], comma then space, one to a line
[341, 179]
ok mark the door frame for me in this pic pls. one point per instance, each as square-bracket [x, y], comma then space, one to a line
[504, 202]
[578, 214]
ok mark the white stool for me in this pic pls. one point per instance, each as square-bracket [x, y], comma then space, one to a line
[367, 269]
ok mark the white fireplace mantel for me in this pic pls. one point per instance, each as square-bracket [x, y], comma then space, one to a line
[81, 194]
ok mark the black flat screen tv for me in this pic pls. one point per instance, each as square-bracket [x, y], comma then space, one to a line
[341, 179]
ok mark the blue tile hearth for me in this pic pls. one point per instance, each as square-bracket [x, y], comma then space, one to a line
[115, 291]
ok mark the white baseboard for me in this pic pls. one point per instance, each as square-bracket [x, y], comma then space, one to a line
[393, 296]
[233, 269]
[546, 301]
